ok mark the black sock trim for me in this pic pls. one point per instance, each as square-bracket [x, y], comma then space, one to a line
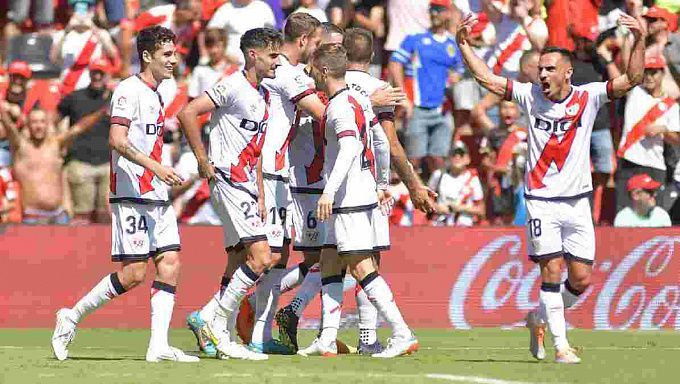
[225, 281]
[571, 289]
[303, 269]
[280, 266]
[115, 281]
[161, 286]
[331, 279]
[249, 272]
[550, 287]
[367, 280]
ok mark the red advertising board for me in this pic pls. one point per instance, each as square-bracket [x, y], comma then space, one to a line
[441, 277]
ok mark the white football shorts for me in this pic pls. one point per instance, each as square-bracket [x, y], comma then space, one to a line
[562, 228]
[278, 202]
[310, 233]
[141, 231]
[237, 209]
[352, 232]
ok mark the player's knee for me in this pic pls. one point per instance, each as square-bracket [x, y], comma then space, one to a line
[361, 266]
[260, 257]
[580, 283]
[170, 263]
[132, 274]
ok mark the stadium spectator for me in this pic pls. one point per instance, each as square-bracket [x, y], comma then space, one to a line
[660, 24]
[516, 31]
[433, 55]
[218, 66]
[406, 17]
[312, 7]
[461, 198]
[563, 14]
[38, 163]
[643, 211]
[10, 204]
[238, 16]
[650, 119]
[87, 171]
[528, 73]
[191, 199]
[633, 8]
[501, 183]
[589, 68]
[79, 44]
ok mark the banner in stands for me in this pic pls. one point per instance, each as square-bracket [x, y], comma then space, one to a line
[441, 277]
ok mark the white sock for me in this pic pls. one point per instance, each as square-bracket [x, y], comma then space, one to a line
[331, 308]
[241, 281]
[207, 313]
[293, 277]
[569, 295]
[267, 300]
[380, 294]
[162, 304]
[553, 307]
[107, 288]
[368, 317]
[309, 288]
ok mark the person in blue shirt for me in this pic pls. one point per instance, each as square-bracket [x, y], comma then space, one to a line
[431, 56]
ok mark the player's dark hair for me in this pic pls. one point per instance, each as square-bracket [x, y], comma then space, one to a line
[359, 45]
[330, 28]
[333, 57]
[565, 53]
[150, 39]
[299, 24]
[215, 36]
[260, 38]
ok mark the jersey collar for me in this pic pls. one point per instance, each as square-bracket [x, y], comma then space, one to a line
[338, 92]
[153, 88]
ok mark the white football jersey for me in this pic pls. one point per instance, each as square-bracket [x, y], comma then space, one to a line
[237, 129]
[365, 84]
[643, 109]
[511, 42]
[558, 165]
[344, 116]
[138, 106]
[290, 85]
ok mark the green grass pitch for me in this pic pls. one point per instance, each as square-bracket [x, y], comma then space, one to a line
[483, 356]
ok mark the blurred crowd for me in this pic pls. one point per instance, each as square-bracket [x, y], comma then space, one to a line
[62, 58]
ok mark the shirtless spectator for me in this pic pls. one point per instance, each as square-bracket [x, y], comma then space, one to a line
[38, 164]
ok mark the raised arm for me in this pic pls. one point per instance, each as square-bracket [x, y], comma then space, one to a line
[188, 118]
[13, 134]
[81, 126]
[636, 64]
[480, 71]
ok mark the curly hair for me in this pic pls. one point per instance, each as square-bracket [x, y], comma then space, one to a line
[150, 39]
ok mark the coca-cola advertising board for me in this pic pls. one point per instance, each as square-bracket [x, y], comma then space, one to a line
[441, 277]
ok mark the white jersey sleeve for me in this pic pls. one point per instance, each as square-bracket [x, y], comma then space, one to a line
[123, 106]
[223, 93]
[476, 189]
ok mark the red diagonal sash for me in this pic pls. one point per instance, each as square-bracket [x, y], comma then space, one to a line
[73, 74]
[637, 133]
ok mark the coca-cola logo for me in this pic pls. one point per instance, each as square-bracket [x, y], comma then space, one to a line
[498, 286]
[642, 291]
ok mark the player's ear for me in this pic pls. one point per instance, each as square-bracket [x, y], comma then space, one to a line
[146, 56]
[570, 71]
[303, 40]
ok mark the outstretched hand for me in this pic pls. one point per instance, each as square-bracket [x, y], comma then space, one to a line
[634, 25]
[465, 28]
